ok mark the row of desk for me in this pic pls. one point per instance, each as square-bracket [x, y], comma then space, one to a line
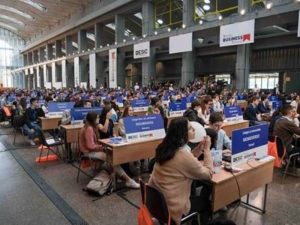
[227, 187]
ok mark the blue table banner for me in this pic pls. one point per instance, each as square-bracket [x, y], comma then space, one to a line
[140, 105]
[249, 143]
[233, 113]
[80, 113]
[60, 106]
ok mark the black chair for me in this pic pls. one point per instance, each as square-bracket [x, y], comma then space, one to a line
[18, 123]
[82, 157]
[50, 143]
[157, 206]
[284, 154]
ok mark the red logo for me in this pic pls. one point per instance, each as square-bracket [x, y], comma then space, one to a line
[246, 37]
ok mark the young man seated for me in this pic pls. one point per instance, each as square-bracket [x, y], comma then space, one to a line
[32, 127]
[215, 123]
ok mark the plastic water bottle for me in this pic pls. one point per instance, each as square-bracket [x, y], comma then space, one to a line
[217, 160]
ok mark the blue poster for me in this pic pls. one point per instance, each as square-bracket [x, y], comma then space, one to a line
[273, 98]
[232, 111]
[139, 103]
[249, 143]
[80, 113]
[276, 105]
[60, 106]
[177, 106]
[144, 127]
[190, 99]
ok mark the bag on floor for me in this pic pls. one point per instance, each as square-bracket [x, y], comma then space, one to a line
[101, 184]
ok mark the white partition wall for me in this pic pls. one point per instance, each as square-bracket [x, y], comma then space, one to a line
[76, 72]
[46, 83]
[38, 79]
[92, 64]
[64, 73]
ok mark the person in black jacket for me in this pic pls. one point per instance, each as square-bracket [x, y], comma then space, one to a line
[251, 112]
[31, 127]
[263, 106]
[192, 113]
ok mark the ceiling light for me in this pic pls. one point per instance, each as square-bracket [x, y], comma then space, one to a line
[107, 45]
[207, 1]
[169, 29]
[155, 32]
[116, 43]
[220, 17]
[124, 40]
[206, 7]
[13, 10]
[100, 46]
[133, 38]
[159, 21]
[200, 21]
[242, 12]
[144, 35]
[183, 26]
[269, 5]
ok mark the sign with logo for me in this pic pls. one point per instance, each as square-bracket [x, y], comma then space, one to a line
[273, 98]
[60, 106]
[249, 143]
[80, 113]
[177, 109]
[141, 50]
[144, 127]
[112, 68]
[181, 43]
[233, 113]
[276, 105]
[237, 33]
[120, 101]
[140, 105]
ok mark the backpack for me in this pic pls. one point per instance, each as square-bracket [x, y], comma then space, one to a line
[101, 184]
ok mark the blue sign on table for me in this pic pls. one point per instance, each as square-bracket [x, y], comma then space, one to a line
[177, 106]
[232, 111]
[249, 143]
[276, 104]
[60, 106]
[80, 113]
[134, 124]
[136, 103]
[273, 98]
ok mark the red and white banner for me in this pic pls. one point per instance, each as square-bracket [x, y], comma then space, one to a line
[237, 33]
[112, 68]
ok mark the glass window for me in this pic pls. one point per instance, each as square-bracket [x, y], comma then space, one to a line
[263, 80]
[223, 77]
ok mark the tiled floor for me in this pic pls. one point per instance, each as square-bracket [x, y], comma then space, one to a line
[22, 202]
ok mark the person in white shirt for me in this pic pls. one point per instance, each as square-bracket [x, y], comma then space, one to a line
[295, 102]
[204, 111]
[295, 116]
[136, 87]
[217, 106]
[215, 123]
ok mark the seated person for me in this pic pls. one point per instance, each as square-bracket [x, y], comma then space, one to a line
[176, 167]
[106, 124]
[204, 110]
[251, 113]
[128, 111]
[192, 113]
[216, 122]
[88, 143]
[263, 106]
[275, 116]
[32, 127]
[286, 129]
[217, 105]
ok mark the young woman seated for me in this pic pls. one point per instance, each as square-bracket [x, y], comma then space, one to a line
[177, 166]
[88, 143]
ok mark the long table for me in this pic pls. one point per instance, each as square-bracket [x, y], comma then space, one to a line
[129, 151]
[229, 187]
[228, 127]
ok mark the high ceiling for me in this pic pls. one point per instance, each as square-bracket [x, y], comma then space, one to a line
[29, 17]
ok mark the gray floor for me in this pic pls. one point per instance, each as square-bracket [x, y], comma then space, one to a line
[23, 202]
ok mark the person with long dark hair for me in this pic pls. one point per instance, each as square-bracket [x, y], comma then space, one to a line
[177, 166]
[89, 145]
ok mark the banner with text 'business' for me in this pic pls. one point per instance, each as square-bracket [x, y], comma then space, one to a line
[237, 33]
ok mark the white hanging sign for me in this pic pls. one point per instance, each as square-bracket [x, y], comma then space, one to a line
[181, 43]
[141, 50]
[113, 68]
[237, 33]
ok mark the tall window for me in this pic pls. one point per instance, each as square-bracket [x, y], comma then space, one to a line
[10, 59]
[263, 80]
[223, 77]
